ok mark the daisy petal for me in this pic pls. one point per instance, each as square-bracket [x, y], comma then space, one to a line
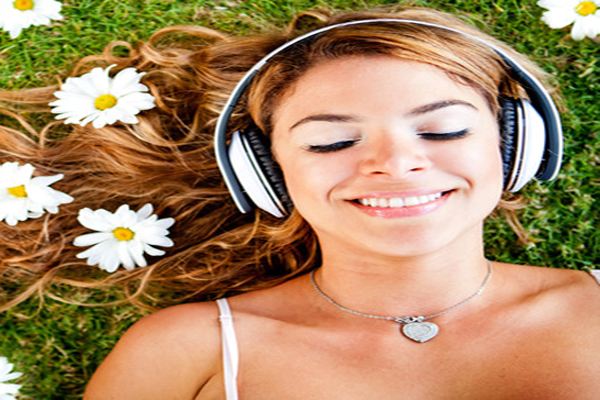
[152, 251]
[7, 389]
[145, 211]
[137, 252]
[159, 241]
[109, 262]
[46, 180]
[125, 256]
[550, 4]
[557, 19]
[94, 220]
[586, 27]
[92, 238]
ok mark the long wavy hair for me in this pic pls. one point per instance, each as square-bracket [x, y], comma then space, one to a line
[167, 159]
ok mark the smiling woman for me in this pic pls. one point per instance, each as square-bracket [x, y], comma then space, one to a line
[370, 152]
[376, 146]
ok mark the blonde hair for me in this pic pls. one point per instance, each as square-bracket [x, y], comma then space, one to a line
[167, 159]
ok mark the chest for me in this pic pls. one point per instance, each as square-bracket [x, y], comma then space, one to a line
[369, 365]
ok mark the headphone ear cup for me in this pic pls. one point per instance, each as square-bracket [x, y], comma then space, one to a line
[254, 188]
[523, 135]
[261, 147]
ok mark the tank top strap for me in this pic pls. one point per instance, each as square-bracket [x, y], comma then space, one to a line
[230, 350]
[595, 274]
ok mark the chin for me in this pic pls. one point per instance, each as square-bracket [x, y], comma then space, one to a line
[409, 242]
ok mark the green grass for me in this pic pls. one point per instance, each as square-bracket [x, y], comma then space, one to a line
[58, 346]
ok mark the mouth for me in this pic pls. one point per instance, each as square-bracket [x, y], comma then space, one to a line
[399, 202]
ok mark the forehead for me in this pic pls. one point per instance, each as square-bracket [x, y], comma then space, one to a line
[371, 85]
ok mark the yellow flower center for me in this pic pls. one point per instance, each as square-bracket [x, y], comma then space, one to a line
[586, 8]
[18, 191]
[24, 5]
[105, 102]
[123, 234]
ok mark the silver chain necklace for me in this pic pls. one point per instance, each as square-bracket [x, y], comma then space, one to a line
[414, 328]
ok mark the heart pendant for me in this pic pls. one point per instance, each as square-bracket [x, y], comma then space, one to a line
[420, 331]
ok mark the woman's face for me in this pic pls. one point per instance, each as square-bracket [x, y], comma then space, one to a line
[388, 156]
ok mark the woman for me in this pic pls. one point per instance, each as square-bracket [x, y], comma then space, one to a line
[388, 139]
[374, 285]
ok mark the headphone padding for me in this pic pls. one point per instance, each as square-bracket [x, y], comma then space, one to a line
[261, 147]
[508, 126]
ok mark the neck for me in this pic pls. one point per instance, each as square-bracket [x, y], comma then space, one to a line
[417, 285]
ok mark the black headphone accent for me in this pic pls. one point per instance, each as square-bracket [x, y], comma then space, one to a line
[508, 125]
[261, 147]
[531, 134]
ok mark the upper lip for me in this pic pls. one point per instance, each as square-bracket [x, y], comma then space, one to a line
[399, 194]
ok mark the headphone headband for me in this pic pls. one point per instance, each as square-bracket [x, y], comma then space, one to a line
[539, 96]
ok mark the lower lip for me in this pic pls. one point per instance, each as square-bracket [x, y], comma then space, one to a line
[403, 212]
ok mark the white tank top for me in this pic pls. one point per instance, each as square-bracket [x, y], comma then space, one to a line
[230, 350]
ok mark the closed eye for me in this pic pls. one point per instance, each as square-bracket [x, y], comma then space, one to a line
[445, 135]
[330, 148]
[337, 146]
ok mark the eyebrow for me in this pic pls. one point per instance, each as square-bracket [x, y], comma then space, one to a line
[427, 108]
[341, 118]
[325, 118]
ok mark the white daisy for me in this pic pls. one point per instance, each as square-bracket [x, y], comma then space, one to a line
[22, 196]
[96, 97]
[8, 389]
[16, 15]
[584, 15]
[122, 237]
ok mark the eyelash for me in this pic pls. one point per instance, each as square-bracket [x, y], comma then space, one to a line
[337, 146]
[445, 136]
[330, 148]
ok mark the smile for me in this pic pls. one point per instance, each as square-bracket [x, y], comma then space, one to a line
[399, 202]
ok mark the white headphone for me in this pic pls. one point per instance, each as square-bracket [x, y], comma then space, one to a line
[531, 134]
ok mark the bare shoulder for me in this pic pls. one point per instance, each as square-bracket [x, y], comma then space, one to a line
[558, 298]
[578, 290]
[551, 315]
[570, 287]
[173, 353]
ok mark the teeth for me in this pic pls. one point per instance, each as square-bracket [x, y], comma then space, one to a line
[411, 201]
[397, 202]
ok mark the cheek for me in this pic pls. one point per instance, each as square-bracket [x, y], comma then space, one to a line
[479, 163]
[309, 179]
[491, 162]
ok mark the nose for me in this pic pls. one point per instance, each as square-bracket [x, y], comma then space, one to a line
[394, 154]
